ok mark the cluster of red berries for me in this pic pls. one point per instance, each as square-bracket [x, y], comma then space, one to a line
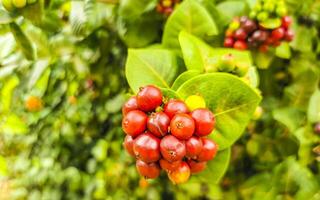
[166, 6]
[244, 33]
[167, 135]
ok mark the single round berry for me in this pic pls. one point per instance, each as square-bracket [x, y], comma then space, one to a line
[196, 167]
[209, 150]
[260, 35]
[204, 120]
[286, 22]
[181, 174]
[128, 144]
[169, 166]
[278, 33]
[195, 101]
[149, 98]
[240, 45]
[228, 42]
[241, 69]
[193, 147]
[182, 126]
[229, 33]
[175, 106]
[130, 105]
[146, 147]
[249, 26]
[243, 19]
[317, 128]
[240, 34]
[289, 35]
[134, 123]
[158, 124]
[33, 104]
[172, 149]
[148, 170]
[226, 63]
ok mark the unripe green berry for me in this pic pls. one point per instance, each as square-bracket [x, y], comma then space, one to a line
[269, 7]
[19, 3]
[281, 11]
[252, 147]
[7, 4]
[262, 16]
[257, 7]
[253, 14]
[195, 101]
[241, 69]
[226, 63]
[234, 25]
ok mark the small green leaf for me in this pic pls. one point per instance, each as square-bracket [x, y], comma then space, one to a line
[283, 51]
[169, 93]
[192, 17]
[271, 23]
[216, 168]
[22, 41]
[7, 93]
[231, 100]
[3, 167]
[12, 124]
[151, 66]
[5, 18]
[132, 9]
[314, 107]
[262, 60]
[291, 117]
[183, 78]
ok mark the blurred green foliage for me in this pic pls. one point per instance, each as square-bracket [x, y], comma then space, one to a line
[71, 54]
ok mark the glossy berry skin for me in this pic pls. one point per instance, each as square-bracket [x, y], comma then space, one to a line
[195, 101]
[181, 174]
[278, 33]
[134, 123]
[172, 149]
[182, 126]
[169, 166]
[146, 147]
[193, 147]
[130, 105]
[148, 170]
[196, 167]
[260, 36]
[240, 45]
[316, 128]
[204, 120]
[289, 35]
[226, 63]
[286, 21]
[240, 34]
[128, 144]
[158, 124]
[149, 98]
[228, 42]
[209, 150]
[249, 26]
[175, 106]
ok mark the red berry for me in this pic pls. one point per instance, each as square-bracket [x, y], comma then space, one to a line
[148, 170]
[260, 36]
[146, 147]
[175, 106]
[130, 105]
[134, 123]
[229, 33]
[160, 8]
[181, 174]
[243, 19]
[240, 45]
[278, 33]
[240, 34]
[196, 167]
[128, 144]
[172, 149]
[204, 120]
[249, 26]
[263, 48]
[209, 150]
[316, 128]
[286, 21]
[289, 35]
[149, 98]
[193, 147]
[158, 124]
[169, 166]
[182, 126]
[228, 42]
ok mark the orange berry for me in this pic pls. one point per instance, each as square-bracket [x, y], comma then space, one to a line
[33, 104]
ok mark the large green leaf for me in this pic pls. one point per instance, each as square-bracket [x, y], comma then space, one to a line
[314, 107]
[192, 17]
[216, 168]
[151, 66]
[131, 9]
[231, 100]
[231, 9]
[200, 56]
[184, 77]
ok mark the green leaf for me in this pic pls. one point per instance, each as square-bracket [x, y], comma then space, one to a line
[314, 107]
[283, 51]
[231, 9]
[23, 42]
[151, 66]
[34, 12]
[216, 168]
[291, 117]
[132, 9]
[7, 93]
[38, 70]
[231, 100]
[5, 18]
[192, 17]
[262, 60]
[183, 78]
[12, 124]
[271, 23]
[303, 39]
[200, 56]
[169, 93]
[3, 166]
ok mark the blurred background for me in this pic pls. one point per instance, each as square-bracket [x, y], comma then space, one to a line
[62, 85]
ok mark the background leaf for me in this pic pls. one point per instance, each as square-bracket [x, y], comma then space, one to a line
[314, 107]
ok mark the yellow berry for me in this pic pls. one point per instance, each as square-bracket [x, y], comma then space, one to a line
[195, 101]
[19, 3]
[7, 4]
[33, 104]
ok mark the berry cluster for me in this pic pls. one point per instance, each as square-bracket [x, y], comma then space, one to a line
[11, 5]
[266, 9]
[166, 6]
[244, 32]
[167, 135]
